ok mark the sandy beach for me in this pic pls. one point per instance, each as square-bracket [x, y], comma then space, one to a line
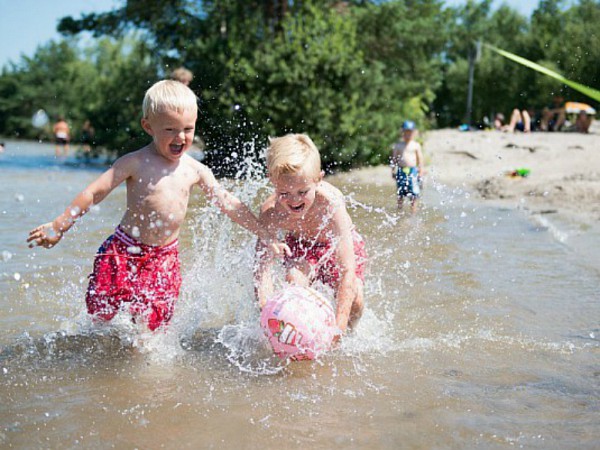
[564, 175]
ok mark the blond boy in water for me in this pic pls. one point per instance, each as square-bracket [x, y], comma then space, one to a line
[139, 263]
[319, 231]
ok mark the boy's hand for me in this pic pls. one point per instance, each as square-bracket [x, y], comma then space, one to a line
[278, 248]
[337, 336]
[273, 245]
[44, 236]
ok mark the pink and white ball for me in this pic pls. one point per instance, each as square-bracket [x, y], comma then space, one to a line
[299, 323]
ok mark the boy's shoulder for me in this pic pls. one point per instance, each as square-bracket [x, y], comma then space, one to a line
[413, 144]
[268, 206]
[135, 155]
[329, 191]
[331, 197]
[134, 160]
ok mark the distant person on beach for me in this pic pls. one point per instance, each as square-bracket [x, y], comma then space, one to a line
[1, 147]
[62, 136]
[554, 116]
[520, 120]
[139, 263]
[182, 75]
[583, 122]
[499, 122]
[408, 165]
[311, 213]
[88, 134]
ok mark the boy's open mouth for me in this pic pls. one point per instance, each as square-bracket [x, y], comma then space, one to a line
[297, 208]
[176, 149]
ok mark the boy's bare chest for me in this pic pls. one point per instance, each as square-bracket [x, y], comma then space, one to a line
[162, 186]
[314, 227]
[406, 149]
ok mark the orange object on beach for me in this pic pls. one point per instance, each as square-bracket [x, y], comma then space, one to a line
[577, 107]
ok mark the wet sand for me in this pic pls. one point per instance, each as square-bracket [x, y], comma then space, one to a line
[564, 176]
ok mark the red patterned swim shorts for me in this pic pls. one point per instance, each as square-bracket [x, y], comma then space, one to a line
[127, 271]
[322, 257]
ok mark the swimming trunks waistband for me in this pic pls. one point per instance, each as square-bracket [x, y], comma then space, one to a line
[124, 237]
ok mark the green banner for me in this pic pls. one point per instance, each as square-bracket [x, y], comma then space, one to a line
[590, 92]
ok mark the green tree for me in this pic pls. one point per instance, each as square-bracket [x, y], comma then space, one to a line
[124, 71]
[104, 83]
[499, 86]
[54, 79]
[402, 42]
[268, 67]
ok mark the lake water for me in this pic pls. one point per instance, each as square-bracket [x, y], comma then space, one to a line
[481, 330]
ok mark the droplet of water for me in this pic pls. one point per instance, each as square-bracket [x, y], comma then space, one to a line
[17, 276]
[134, 249]
[6, 255]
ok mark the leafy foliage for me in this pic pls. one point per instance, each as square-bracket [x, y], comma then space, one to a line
[348, 73]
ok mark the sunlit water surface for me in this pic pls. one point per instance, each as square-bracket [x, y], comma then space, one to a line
[481, 330]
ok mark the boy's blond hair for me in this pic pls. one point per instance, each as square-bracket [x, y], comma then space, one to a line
[292, 154]
[168, 95]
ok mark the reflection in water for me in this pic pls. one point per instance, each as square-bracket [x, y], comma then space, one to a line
[480, 331]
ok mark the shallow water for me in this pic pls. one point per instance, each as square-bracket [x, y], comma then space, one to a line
[481, 331]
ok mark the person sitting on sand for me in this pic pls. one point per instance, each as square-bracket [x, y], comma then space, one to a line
[499, 122]
[520, 120]
[583, 122]
[555, 115]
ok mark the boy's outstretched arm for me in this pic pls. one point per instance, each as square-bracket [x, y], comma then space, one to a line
[263, 279]
[263, 260]
[238, 211]
[49, 234]
[347, 288]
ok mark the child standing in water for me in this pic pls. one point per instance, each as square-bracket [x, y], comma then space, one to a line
[139, 263]
[407, 165]
[319, 232]
[62, 137]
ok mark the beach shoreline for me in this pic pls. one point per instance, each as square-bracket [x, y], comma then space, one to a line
[563, 177]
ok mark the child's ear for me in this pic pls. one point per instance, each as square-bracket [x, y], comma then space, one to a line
[146, 126]
[321, 176]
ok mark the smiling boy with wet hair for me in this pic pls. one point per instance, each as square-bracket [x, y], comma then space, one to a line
[319, 231]
[139, 263]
